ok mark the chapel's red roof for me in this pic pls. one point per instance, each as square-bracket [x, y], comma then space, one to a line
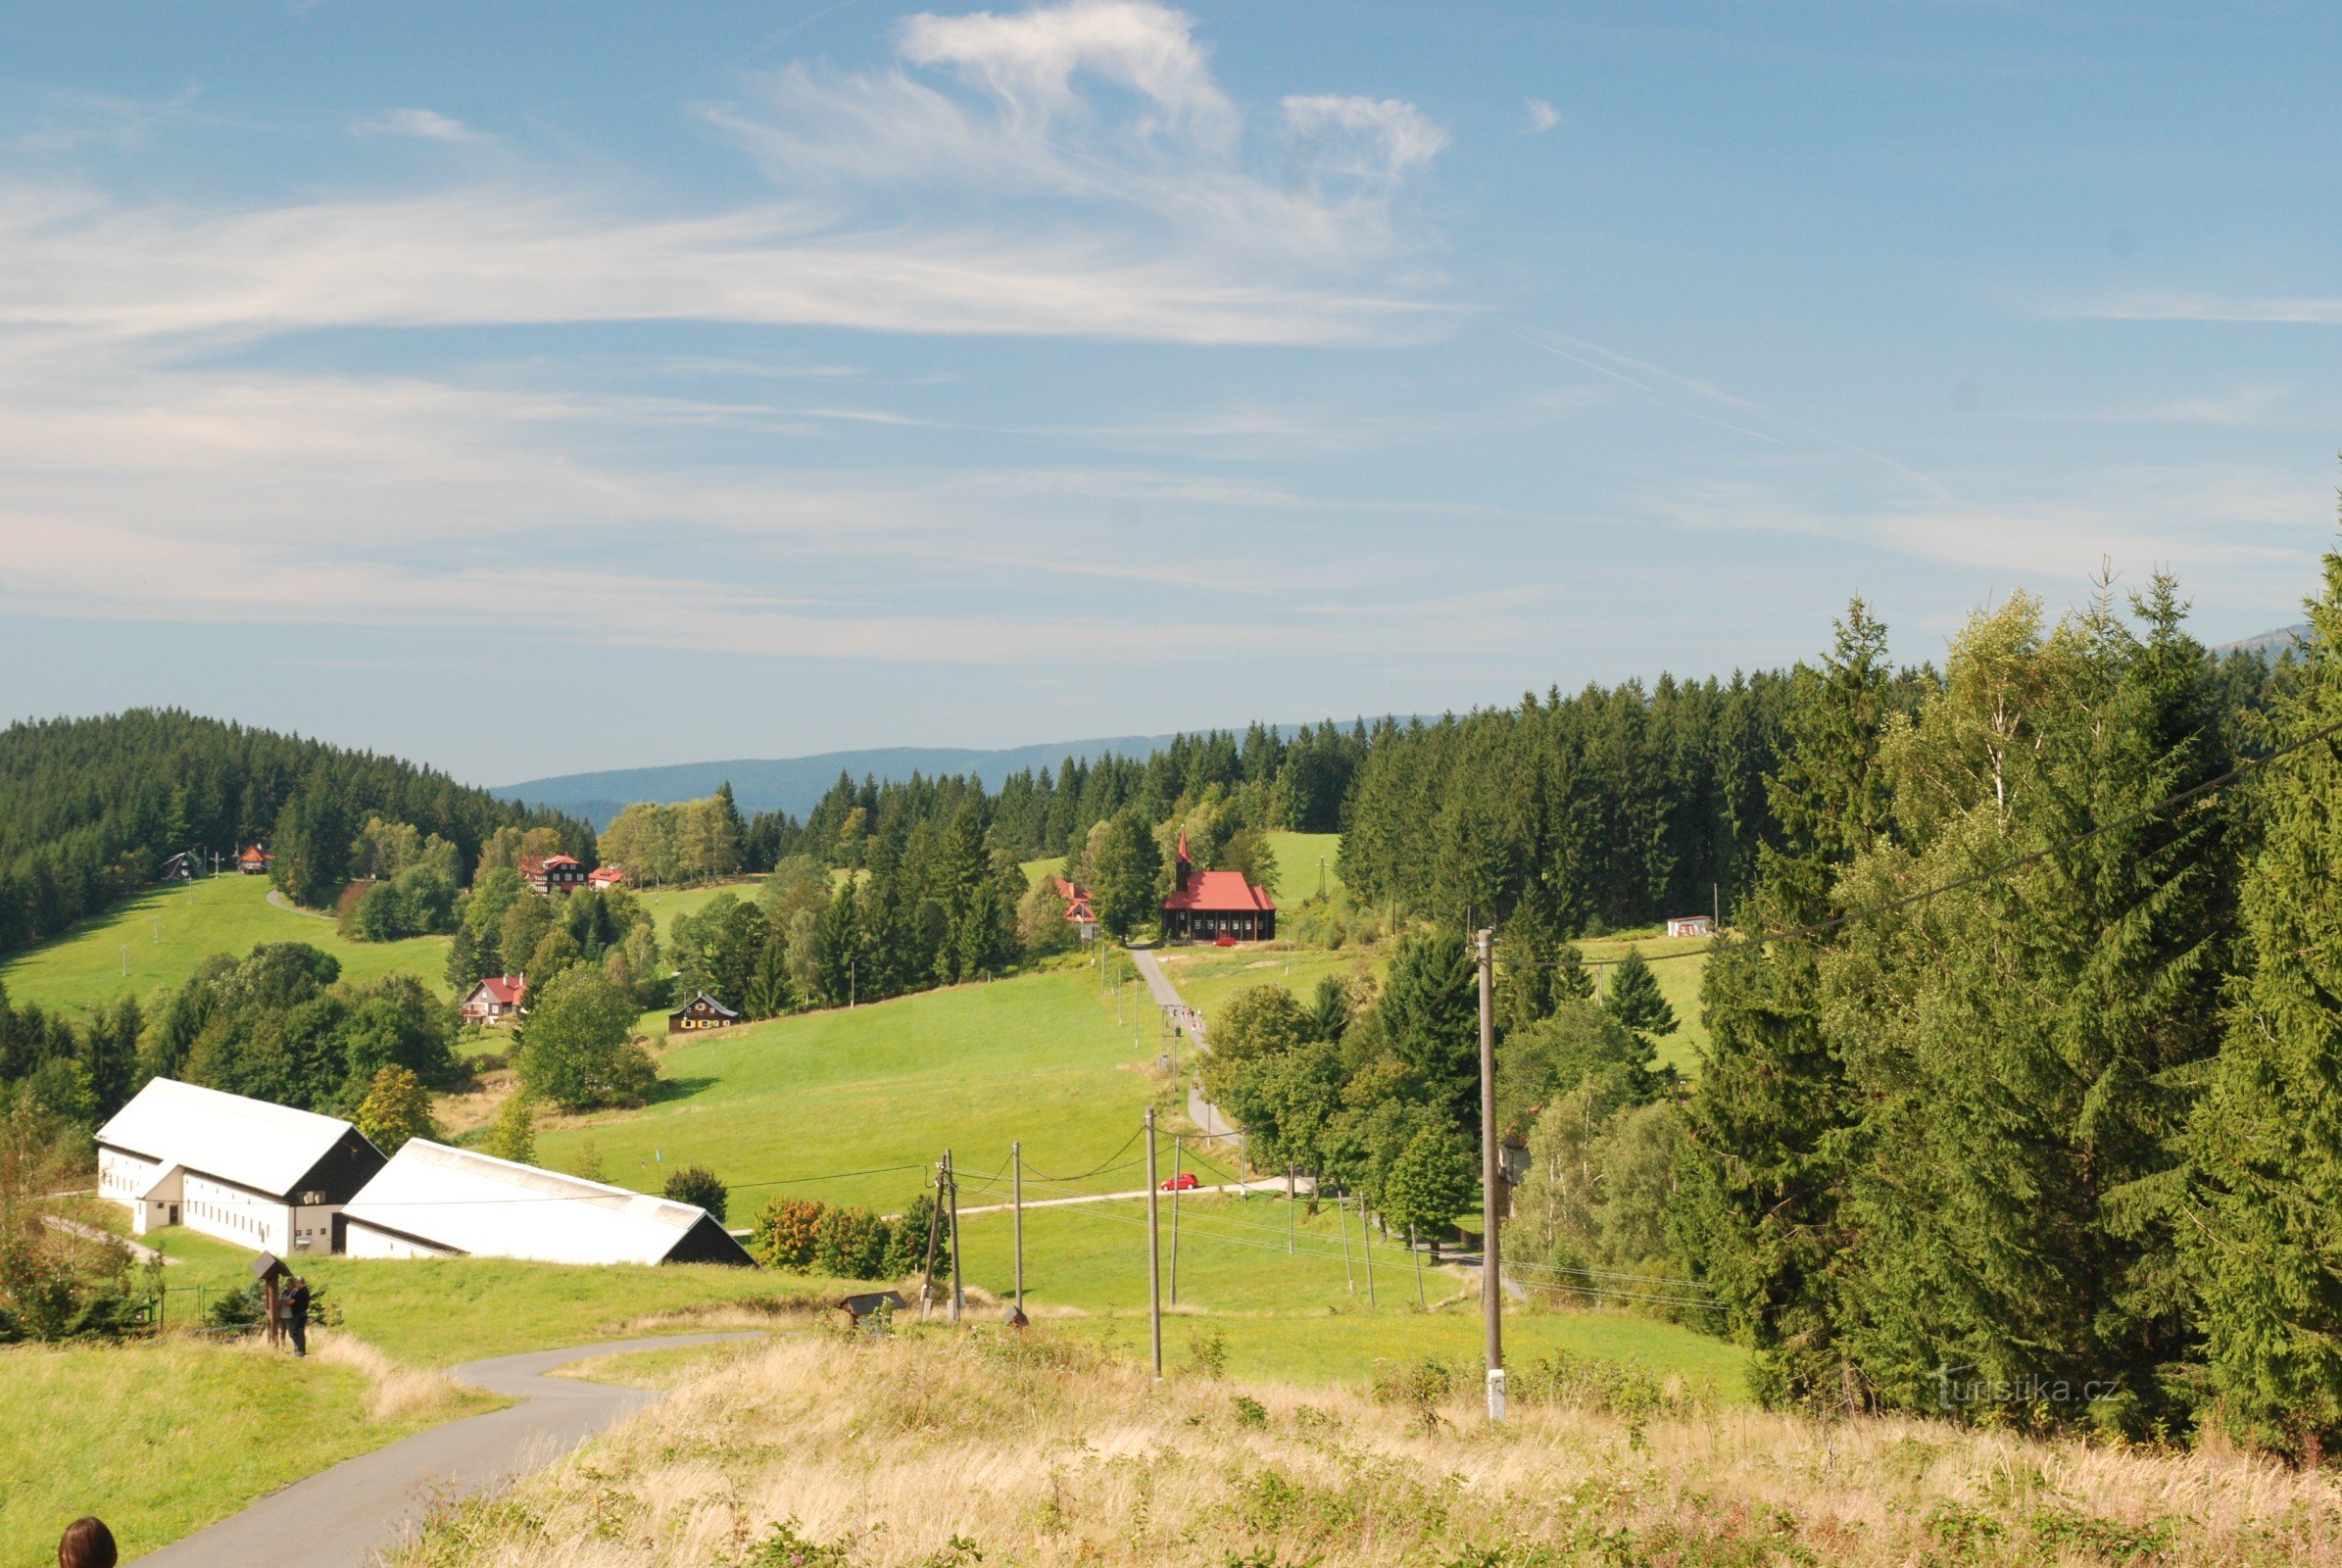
[1220, 892]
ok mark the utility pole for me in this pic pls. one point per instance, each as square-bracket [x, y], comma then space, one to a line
[1366, 1246]
[1016, 1206]
[1288, 1211]
[952, 1188]
[934, 1216]
[1492, 1177]
[1341, 1217]
[1155, 1256]
[1175, 1219]
[1412, 1247]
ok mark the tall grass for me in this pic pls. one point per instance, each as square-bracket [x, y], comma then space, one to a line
[934, 1453]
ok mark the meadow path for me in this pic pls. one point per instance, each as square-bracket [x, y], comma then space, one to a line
[340, 1518]
[1202, 1112]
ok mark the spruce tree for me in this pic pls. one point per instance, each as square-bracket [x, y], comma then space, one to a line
[1430, 1012]
[1771, 1123]
[2262, 1241]
[1634, 998]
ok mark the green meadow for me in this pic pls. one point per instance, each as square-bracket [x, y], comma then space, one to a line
[154, 940]
[1308, 865]
[824, 1105]
[163, 1438]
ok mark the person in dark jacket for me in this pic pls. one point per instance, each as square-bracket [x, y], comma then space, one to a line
[87, 1543]
[296, 1314]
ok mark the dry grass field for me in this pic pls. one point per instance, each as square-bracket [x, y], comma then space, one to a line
[936, 1452]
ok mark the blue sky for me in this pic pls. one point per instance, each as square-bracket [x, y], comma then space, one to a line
[529, 388]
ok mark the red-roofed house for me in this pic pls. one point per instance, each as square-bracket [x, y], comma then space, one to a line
[1077, 909]
[255, 862]
[611, 876]
[553, 874]
[1207, 905]
[498, 999]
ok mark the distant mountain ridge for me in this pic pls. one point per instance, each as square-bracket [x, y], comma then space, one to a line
[2267, 644]
[794, 784]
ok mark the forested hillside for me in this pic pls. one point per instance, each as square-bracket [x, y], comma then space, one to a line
[91, 807]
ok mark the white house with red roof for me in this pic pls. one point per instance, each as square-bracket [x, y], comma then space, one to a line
[1077, 909]
[1215, 906]
[498, 999]
[606, 876]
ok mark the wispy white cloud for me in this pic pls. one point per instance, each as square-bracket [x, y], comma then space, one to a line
[1542, 116]
[1069, 170]
[2293, 309]
[2251, 406]
[421, 124]
[55, 120]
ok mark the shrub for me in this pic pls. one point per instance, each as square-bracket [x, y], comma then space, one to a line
[788, 1233]
[906, 1248]
[239, 1308]
[851, 1244]
[697, 1184]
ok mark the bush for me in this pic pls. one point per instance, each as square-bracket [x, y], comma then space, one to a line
[700, 1186]
[239, 1308]
[906, 1247]
[851, 1244]
[788, 1233]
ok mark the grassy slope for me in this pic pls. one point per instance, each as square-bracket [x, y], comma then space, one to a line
[161, 1439]
[1678, 982]
[1036, 1057]
[1297, 865]
[1302, 1317]
[665, 903]
[1208, 977]
[169, 930]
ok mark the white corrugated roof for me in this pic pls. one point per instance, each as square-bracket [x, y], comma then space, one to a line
[248, 1141]
[492, 1207]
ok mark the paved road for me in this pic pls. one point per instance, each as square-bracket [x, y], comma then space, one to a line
[139, 1251]
[1262, 1184]
[340, 1518]
[278, 900]
[1202, 1112]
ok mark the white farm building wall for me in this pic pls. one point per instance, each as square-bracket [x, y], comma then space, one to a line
[269, 1178]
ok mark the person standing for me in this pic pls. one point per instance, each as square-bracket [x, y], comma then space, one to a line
[296, 1314]
[87, 1543]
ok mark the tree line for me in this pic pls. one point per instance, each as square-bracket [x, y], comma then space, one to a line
[90, 809]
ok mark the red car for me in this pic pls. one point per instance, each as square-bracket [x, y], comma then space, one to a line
[1185, 1181]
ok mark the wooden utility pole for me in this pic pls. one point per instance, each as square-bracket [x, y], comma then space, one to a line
[1491, 1179]
[934, 1216]
[1288, 1211]
[1412, 1247]
[1175, 1219]
[952, 1188]
[1155, 1256]
[1366, 1246]
[1341, 1217]
[1016, 1206]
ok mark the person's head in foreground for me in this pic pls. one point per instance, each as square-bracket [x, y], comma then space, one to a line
[87, 1543]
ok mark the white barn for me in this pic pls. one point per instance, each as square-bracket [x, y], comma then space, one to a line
[266, 1177]
[432, 1201]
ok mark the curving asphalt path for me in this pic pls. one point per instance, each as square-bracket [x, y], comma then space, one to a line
[340, 1518]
